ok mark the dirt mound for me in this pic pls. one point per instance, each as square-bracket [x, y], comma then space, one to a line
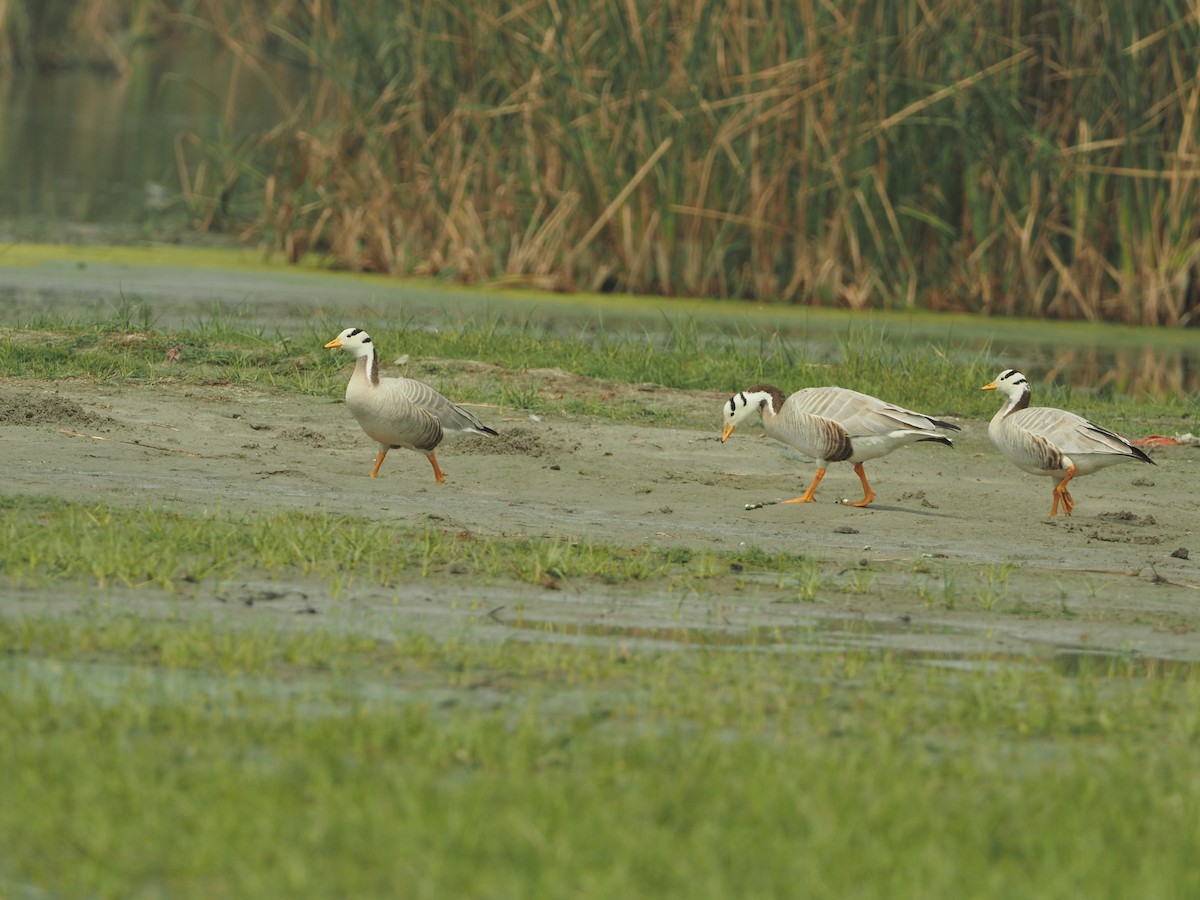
[29, 408]
[519, 441]
[305, 436]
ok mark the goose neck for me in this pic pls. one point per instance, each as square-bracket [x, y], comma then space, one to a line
[774, 399]
[368, 364]
[1013, 404]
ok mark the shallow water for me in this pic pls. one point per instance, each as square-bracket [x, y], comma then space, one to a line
[84, 147]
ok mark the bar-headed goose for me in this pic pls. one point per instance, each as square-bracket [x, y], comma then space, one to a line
[833, 424]
[1053, 442]
[399, 412]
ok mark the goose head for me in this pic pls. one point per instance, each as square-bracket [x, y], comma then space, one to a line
[1011, 383]
[743, 405]
[352, 340]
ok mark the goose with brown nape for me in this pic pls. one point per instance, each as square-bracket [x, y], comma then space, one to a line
[834, 424]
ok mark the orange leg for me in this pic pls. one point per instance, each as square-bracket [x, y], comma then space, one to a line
[437, 472]
[378, 463]
[868, 494]
[807, 496]
[1061, 493]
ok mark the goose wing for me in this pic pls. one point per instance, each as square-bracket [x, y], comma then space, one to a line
[861, 414]
[1069, 433]
[421, 396]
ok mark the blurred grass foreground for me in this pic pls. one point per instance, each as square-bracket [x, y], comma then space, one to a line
[1036, 158]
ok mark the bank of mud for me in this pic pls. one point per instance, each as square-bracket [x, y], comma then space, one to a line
[957, 555]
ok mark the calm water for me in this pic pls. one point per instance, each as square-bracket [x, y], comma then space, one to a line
[103, 156]
[80, 147]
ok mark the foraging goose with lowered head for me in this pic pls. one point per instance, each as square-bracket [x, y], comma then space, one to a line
[399, 412]
[1053, 442]
[833, 424]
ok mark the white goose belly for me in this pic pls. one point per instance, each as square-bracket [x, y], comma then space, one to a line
[872, 446]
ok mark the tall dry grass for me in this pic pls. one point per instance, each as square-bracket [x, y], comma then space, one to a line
[1028, 157]
[51, 34]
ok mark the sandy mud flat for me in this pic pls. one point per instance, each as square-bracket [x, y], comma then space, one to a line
[1121, 575]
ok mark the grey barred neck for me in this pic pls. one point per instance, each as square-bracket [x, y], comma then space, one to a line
[775, 397]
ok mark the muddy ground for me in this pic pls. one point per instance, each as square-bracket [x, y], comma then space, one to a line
[1121, 575]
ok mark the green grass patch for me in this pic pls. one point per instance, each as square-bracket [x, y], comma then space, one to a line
[689, 353]
[466, 766]
[684, 354]
[48, 543]
[168, 751]
[679, 352]
[44, 541]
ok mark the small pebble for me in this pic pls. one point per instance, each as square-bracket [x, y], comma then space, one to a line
[1181, 553]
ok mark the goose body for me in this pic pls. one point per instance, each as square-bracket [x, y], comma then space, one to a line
[833, 424]
[399, 412]
[1052, 442]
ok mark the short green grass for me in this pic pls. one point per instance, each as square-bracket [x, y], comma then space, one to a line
[141, 761]
[179, 754]
[683, 353]
[52, 543]
[46, 541]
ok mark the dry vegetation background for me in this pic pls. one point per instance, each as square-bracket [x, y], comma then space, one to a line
[1034, 158]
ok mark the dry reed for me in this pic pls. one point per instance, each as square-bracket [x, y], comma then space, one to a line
[1032, 158]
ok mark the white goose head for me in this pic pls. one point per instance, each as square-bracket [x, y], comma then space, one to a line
[744, 404]
[1013, 385]
[354, 341]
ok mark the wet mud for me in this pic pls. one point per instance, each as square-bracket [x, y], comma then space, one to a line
[956, 554]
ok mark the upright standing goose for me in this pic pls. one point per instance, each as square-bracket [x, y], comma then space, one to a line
[1047, 441]
[833, 424]
[399, 412]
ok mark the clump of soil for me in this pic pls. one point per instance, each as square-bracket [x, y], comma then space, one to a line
[1125, 515]
[305, 436]
[519, 441]
[28, 408]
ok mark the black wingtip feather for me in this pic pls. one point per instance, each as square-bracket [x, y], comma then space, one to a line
[1141, 454]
